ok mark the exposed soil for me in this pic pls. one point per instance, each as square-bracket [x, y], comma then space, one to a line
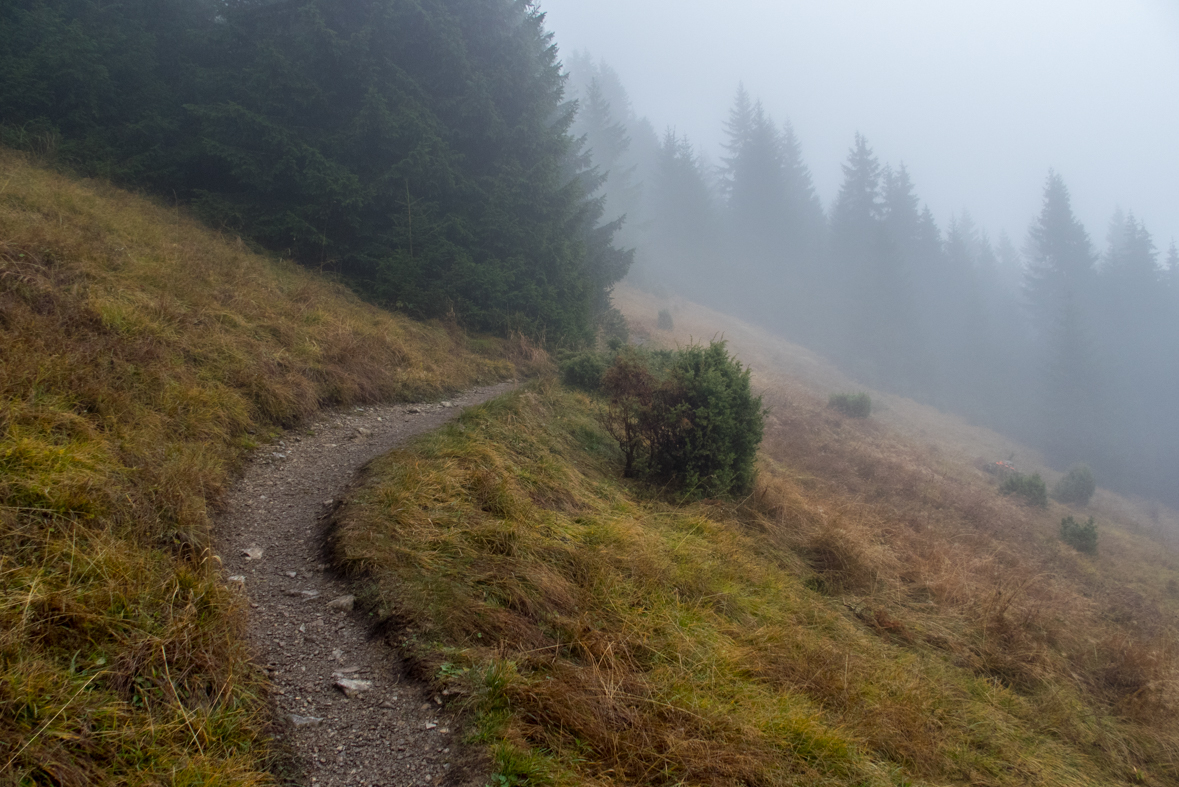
[393, 731]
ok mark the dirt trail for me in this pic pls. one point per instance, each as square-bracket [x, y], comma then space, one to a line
[392, 732]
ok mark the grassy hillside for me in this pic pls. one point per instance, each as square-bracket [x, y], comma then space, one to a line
[876, 613]
[141, 357]
[791, 370]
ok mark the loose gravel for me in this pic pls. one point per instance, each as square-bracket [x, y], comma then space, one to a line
[350, 714]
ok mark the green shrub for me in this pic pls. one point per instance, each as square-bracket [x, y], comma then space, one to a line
[664, 322]
[688, 419]
[1030, 487]
[613, 329]
[852, 405]
[1082, 538]
[1077, 486]
[583, 370]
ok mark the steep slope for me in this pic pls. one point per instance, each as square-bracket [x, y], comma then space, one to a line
[142, 356]
[875, 613]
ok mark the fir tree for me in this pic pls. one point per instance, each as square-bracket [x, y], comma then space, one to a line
[420, 149]
[684, 220]
[1059, 286]
[860, 259]
[1133, 313]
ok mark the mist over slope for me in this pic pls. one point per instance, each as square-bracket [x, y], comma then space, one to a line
[1064, 341]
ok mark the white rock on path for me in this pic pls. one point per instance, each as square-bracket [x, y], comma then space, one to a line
[253, 553]
[343, 603]
[353, 688]
[305, 721]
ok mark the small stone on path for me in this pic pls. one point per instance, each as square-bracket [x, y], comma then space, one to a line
[343, 603]
[305, 721]
[253, 553]
[353, 688]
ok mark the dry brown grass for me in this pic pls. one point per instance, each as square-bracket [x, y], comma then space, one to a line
[875, 613]
[987, 578]
[863, 618]
[141, 357]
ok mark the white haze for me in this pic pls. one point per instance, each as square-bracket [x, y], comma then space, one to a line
[978, 99]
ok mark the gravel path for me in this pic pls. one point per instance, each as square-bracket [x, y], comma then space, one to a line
[352, 716]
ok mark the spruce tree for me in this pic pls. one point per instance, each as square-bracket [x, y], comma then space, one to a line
[684, 222]
[859, 261]
[419, 149]
[892, 317]
[608, 145]
[621, 144]
[1134, 314]
[1059, 288]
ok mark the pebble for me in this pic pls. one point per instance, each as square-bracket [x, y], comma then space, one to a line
[305, 721]
[253, 553]
[343, 603]
[353, 688]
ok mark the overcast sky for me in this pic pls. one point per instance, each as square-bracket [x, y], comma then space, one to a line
[978, 99]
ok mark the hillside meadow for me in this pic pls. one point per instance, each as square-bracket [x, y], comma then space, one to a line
[142, 357]
[875, 613]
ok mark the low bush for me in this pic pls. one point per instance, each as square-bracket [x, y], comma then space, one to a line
[1029, 487]
[1081, 537]
[664, 322]
[583, 370]
[1077, 486]
[613, 327]
[852, 405]
[688, 418]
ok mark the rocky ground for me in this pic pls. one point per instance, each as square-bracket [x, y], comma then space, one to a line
[351, 715]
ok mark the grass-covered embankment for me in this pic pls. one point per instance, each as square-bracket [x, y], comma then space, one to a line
[864, 618]
[141, 356]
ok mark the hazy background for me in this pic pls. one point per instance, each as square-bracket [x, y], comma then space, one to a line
[978, 99]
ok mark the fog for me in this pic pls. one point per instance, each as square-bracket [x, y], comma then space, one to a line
[970, 204]
[978, 99]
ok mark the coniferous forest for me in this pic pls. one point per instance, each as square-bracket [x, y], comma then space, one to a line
[1061, 339]
[421, 150]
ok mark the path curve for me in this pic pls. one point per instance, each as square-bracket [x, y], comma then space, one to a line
[392, 732]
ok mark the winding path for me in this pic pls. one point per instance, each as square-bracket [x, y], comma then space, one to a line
[391, 731]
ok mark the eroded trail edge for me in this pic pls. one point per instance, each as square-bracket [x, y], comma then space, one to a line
[350, 714]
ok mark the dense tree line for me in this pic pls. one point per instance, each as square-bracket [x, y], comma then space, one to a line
[421, 149]
[1072, 349]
